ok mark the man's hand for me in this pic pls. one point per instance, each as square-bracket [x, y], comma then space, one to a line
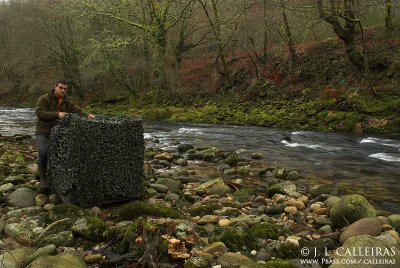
[91, 116]
[61, 115]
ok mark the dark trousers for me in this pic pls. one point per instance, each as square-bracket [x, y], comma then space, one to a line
[42, 146]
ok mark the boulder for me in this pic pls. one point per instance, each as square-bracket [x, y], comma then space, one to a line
[6, 187]
[281, 173]
[215, 247]
[184, 147]
[208, 219]
[28, 211]
[63, 260]
[56, 227]
[366, 226]
[331, 201]
[14, 258]
[322, 189]
[21, 234]
[287, 188]
[164, 156]
[41, 200]
[196, 262]
[92, 228]
[44, 251]
[389, 257]
[249, 220]
[173, 185]
[231, 259]
[394, 220]
[22, 197]
[292, 175]
[14, 179]
[61, 239]
[216, 186]
[350, 209]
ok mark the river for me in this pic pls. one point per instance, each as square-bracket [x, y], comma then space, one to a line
[365, 164]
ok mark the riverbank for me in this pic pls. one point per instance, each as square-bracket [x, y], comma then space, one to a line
[366, 115]
[202, 206]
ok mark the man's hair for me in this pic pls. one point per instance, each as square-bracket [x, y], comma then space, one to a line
[61, 81]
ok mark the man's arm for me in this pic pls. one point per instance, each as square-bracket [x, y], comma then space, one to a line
[75, 109]
[42, 110]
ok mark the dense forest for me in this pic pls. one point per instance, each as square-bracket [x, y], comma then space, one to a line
[325, 65]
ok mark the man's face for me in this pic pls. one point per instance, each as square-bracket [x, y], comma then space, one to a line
[60, 89]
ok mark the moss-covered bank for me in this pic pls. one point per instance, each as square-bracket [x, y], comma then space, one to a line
[352, 113]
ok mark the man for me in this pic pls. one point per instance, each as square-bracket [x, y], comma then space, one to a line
[49, 107]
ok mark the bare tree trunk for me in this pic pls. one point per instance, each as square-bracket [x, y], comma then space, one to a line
[265, 41]
[215, 24]
[388, 16]
[346, 33]
[146, 51]
[160, 74]
[70, 58]
[288, 33]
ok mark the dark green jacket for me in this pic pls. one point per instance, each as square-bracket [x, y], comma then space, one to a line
[47, 111]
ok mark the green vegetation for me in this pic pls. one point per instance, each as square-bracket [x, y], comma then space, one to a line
[237, 239]
[266, 230]
[65, 211]
[244, 195]
[279, 263]
[203, 210]
[134, 210]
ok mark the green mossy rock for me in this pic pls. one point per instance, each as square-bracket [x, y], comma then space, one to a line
[136, 209]
[390, 252]
[215, 247]
[196, 262]
[237, 239]
[244, 195]
[394, 220]
[63, 211]
[350, 209]
[282, 188]
[216, 186]
[231, 160]
[61, 239]
[152, 228]
[279, 263]
[283, 250]
[56, 227]
[92, 228]
[266, 230]
[14, 258]
[231, 259]
[202, 210]
[63, 260]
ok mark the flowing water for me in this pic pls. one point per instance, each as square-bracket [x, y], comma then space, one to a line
[365, 164]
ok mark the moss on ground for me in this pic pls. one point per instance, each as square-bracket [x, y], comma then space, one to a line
[237, 239]
[203, 210]
[134, 210]
[266, 230]
[63, 211]
[279, 263]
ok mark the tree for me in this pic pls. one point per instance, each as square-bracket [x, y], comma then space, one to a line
[188, 26]
[156, 27]
[212, 12]
[341, 15]
[388, 16]
[288, 33]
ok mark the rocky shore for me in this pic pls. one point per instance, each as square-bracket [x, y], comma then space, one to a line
[203, 207]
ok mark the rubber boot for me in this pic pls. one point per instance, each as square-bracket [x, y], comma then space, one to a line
[42, 177]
